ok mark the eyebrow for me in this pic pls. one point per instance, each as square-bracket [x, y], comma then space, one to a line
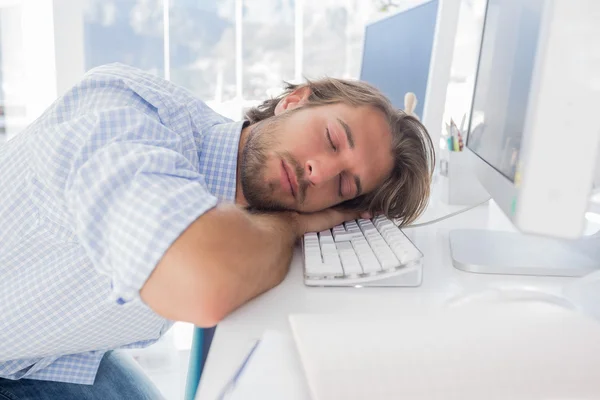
[348, 133]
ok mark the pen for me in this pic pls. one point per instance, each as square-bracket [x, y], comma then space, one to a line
[228, 389]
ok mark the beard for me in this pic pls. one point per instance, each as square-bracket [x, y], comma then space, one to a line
[258, 192]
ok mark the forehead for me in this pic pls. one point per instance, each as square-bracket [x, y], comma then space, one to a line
[369, 122]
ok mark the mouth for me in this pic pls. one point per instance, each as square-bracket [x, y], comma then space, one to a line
[291, 178]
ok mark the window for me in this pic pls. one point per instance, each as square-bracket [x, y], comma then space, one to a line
[230, 53]
[127, 31]
[12, 74]
[267, 46]
[328, 39]
[202, 48]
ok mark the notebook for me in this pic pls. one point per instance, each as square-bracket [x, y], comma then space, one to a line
[506, 350]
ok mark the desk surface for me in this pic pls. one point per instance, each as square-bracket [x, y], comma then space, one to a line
[236, 334]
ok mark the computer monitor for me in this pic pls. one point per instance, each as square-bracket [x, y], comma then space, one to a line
[534, 136]
[397, 52]
[411, 51]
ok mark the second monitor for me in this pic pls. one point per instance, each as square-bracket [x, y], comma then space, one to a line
[397, 53]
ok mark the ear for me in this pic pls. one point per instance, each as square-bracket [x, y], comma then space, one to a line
[293, 100]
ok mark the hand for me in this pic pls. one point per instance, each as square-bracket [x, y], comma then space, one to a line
[326, 219]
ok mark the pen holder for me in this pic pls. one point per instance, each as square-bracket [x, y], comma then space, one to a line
[459, 185]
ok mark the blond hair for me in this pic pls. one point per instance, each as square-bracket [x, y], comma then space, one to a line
[405, 192]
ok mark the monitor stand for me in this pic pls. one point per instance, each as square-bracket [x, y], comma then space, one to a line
[494, 252]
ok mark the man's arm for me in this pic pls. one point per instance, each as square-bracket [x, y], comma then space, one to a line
[225, 258]
[132, 194]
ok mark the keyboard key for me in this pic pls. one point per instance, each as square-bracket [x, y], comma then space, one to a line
[340, 234]
[353, 229]
[329, 265]
[328, 248]
[332, 269]
[325, 237]
[338, 229]
[350, 262]
[367, 258]
[312, 249]
[350, 224]
[312, 253]
[311, 244]
[343, 237]
[388, 262]
[402, 248]
[405, 254]
[324, 269]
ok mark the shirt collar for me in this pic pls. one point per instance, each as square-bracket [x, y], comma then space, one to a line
[218, 158]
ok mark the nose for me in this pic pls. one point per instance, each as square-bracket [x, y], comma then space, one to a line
[318, 172]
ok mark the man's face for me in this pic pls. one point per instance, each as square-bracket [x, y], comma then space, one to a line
[312, 158]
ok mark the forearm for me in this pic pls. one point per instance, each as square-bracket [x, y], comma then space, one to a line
[222, 260]
[251, 259]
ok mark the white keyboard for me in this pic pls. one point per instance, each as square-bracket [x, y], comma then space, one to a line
[363, 252]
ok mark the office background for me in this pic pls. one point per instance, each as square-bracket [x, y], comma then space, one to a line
[230, 53]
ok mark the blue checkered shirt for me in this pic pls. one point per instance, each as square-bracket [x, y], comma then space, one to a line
[91, 196]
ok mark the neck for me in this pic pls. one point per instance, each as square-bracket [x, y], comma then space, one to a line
[239, 193]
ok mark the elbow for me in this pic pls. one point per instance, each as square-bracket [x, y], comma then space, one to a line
[211, 306]
[184, 297]
[207, 316]
[205, 320]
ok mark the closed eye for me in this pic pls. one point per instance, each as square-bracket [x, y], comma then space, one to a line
[330, 141]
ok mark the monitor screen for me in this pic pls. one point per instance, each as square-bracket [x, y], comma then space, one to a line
[502, 86]
[397, 53]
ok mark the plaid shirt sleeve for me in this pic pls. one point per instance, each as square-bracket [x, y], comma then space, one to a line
[94, 192]
[132, 191]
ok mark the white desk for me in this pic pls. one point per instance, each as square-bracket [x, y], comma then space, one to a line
[441, 281]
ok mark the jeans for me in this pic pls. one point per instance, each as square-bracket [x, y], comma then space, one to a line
[119, 377]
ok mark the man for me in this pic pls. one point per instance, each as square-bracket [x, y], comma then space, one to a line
[130, 204]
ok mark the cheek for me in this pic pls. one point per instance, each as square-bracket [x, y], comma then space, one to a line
[318, 199]
[304, 143]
